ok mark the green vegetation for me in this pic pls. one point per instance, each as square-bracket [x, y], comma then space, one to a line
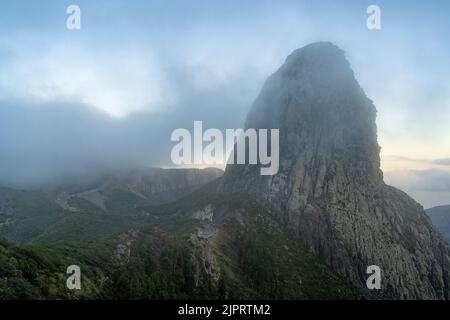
[158, 252]
[33, 212]
[269, 261]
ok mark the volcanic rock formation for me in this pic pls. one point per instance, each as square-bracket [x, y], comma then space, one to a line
[329, 189]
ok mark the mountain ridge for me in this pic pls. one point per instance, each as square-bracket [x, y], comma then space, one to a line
[27, 215]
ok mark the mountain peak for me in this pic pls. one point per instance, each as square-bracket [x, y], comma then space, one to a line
[329, 188]
[316, 51]
[320, 61]
[321, 111]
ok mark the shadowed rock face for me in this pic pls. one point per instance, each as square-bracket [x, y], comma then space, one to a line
[330, 190]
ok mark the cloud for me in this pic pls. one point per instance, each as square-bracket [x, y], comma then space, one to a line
[118, 82]
[79, 112]
[52, 142]
[395, 162]
[432, 180]
[443, 162]
[428, 175]
[430, 187]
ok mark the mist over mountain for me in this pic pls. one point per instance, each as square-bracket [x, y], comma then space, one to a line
[91, 211]
[308, 232]
[329, 189]
[49, 144]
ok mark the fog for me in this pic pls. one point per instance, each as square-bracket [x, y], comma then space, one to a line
[53, 143]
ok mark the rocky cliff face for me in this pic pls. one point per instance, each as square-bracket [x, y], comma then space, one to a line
[330, 190]
[156, 180]
[138, 187]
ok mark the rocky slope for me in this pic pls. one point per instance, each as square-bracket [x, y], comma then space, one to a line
[251, 255]
[440, 216]
[329, 189]
[121, 192]
[79, 213]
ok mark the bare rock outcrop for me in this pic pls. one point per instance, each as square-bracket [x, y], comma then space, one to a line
[329, 189]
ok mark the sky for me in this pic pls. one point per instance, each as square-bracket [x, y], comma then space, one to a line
[76, 103]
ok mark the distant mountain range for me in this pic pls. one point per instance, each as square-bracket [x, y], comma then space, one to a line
[75, 213]
[440, 216]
